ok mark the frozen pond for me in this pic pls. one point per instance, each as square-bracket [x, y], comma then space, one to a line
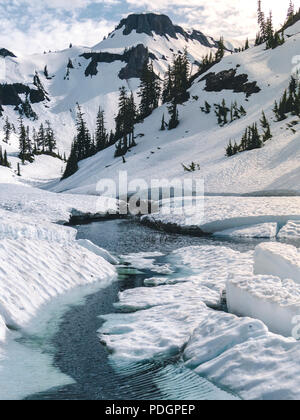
[76, 348]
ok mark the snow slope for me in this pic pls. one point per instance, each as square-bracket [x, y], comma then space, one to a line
[64, 89]
[274, 168]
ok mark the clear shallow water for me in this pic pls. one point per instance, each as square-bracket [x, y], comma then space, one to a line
[76, 348]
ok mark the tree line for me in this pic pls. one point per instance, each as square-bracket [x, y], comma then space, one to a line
[252, 138]
[152, 92]
[266, 33]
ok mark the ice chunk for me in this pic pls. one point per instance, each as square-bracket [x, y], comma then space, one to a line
[263, 368]
[274, 301]
[183, 293]
[290, 231]
[98, 251]
[278, 260]
[217, 333]
[265, 230]
[213, 263]
[161, 331]
[147, 261]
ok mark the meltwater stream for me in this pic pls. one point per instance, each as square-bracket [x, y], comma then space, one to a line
[78, 352]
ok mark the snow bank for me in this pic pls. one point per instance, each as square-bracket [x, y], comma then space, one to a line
[223, 213]
[242, 356]
[278, 260]
[33, 272]
[161, 331]
[274, 301]
[265, 230]
[13, 226]
[213, 264]
[98, 251]
[290, 231]
[51, 207]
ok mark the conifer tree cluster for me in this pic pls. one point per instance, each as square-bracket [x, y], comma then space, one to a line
[125, 122]
[211, 59]
[175, 88]
[150, 91]
[289, 102]
[292, 16]
[84, 144]
[267, 33]
[251, 139]
[36, 143]
[3, 159]
[226, 115]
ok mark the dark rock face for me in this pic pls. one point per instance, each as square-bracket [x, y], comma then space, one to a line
[5, 53]
[135, 58]
[161, 25]
[9, 95]
[148, 23]
[228, 80]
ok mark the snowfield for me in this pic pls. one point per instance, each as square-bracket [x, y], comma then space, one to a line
[274, 169]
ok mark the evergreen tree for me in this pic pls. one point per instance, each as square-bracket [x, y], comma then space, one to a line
[72, 164]
[121, 117]
[50, 141]
[247, 46]
[174, 115]
[168, 86]
[149, 91]
[41, 140]
[7, 128]
[266, 127]
[221, 50]
[24, 145]
[163, 123]
[101, 136]
[291, 12]
[83, 137]
[262, 23]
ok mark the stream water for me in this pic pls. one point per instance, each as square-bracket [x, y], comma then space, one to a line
[76, 347]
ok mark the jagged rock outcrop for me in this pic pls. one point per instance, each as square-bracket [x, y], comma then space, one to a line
[5, 53]
[134, 57]
[161, 25]
[228, 80]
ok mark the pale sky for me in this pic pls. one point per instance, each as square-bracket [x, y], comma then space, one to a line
[29, 26]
